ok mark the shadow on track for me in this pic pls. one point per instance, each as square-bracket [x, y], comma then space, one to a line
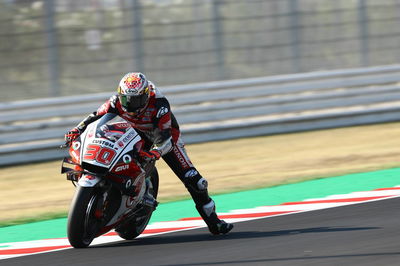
[198, 237]
[293, 259]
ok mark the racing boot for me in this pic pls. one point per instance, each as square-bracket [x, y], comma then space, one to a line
[214, 224]
[220, 228]
[197, 187]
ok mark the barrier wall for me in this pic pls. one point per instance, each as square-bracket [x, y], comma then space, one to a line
[32, 131]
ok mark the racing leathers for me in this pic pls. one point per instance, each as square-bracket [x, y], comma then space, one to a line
[160, 130]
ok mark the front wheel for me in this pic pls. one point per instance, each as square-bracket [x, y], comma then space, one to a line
[84, 222]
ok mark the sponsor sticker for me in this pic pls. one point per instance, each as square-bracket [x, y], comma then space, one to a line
[122, 167]
[128, 184]
[130, 136]
[121, 144]
[127, 158]
[91, 133]
[122, 125]
[103, 142]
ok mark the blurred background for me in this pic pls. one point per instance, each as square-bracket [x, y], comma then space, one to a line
[230, 68]
[57, 48]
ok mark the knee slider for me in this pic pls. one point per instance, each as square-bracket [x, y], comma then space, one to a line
[195, 181]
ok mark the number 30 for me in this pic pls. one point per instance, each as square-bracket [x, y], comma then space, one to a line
[100, 154]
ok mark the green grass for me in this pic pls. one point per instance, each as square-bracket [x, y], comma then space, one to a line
[273, 161]
[32, 219]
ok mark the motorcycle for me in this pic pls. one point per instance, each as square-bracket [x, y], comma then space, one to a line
[114, 188]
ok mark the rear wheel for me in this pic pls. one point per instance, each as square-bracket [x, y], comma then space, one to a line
[136, 226]
[85, 216]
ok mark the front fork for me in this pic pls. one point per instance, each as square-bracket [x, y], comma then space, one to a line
[100, 201]
[149, 201]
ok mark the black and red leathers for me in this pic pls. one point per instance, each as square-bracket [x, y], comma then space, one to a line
[160, 130]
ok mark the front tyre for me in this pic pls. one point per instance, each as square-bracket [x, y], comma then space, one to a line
[83, 225]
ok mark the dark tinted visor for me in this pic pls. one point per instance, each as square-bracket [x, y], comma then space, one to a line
[133, 103]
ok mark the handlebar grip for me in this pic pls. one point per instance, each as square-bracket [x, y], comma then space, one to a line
[65, 145]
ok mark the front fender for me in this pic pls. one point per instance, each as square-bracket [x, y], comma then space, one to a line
[88, 180]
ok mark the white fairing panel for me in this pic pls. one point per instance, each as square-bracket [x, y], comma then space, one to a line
[88, 181]
[106, 149]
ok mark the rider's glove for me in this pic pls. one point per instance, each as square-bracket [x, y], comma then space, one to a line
[149, 156]
[72, 135]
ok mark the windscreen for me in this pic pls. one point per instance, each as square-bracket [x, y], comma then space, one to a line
[112, 127]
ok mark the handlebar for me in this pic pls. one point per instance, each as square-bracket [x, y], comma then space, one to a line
[65, 145]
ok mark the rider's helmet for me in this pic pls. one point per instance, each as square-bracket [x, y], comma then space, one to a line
[133, 93]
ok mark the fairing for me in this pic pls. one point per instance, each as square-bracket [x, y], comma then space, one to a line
[106, 141]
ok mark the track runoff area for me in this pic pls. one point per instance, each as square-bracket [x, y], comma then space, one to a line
[236, 207]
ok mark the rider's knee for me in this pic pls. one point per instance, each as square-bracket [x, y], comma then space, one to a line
[193, 180]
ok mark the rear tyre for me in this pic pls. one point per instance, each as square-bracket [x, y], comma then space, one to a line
[83, 225]
[136, 226]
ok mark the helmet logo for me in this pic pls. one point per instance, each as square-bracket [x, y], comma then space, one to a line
[133, 83]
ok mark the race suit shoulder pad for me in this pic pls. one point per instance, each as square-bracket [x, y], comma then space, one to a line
[162, 106]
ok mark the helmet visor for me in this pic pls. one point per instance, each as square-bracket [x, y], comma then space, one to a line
[133, 103]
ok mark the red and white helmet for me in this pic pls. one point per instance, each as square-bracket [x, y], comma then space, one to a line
[133, 92]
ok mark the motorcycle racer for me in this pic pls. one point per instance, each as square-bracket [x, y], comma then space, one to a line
[142, 104]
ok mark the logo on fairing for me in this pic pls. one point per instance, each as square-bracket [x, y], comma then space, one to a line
[130, 136]
[127, 158]
[103, 143]
[163, 110]
[128, 183]
[90, 133]
[122, 125]
[122, 167]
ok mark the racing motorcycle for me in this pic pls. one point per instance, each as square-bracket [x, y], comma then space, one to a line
[114, 188]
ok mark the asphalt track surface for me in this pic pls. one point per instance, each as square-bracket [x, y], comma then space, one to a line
[360, 234]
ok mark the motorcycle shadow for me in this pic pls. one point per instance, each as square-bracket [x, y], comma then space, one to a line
[196, 236]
